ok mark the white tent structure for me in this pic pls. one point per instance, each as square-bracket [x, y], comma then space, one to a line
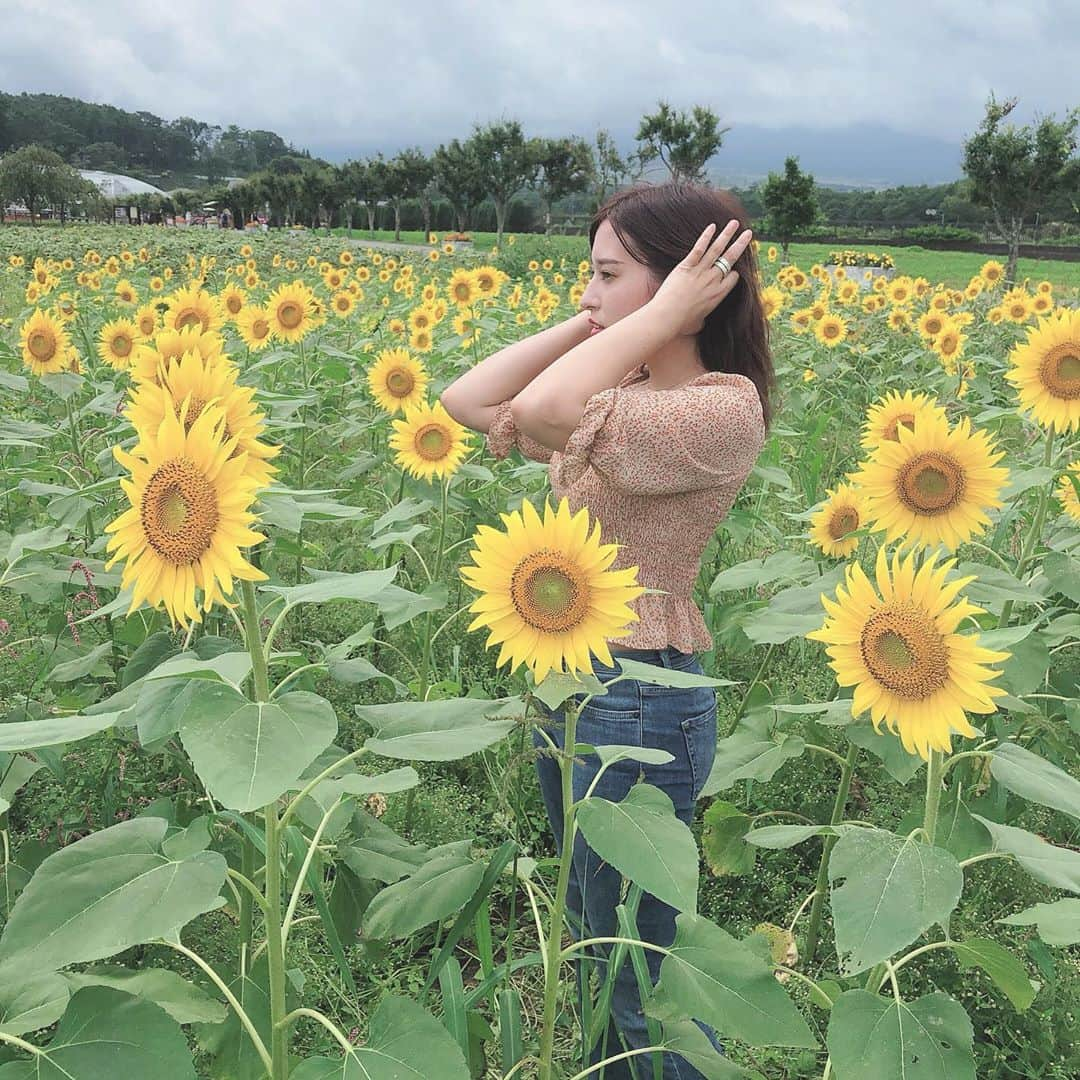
[116, 185]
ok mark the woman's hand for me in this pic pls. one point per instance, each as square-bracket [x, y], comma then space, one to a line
[695, 286]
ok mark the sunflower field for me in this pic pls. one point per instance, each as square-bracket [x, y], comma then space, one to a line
[275, 630]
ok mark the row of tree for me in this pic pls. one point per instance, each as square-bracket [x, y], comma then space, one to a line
[91, 136]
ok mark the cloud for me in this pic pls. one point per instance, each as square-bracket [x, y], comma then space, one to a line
[343, 79]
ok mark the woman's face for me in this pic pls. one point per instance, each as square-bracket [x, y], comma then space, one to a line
[620, 284]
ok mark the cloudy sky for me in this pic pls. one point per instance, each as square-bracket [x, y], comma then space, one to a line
[898, 85]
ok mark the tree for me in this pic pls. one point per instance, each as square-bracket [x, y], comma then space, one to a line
[35, 177]
[683, 143]
[789, 201]
[371, 180]
[459, 178]
[507, 163]
[410, 173]
[566, 166]
[1016, 170]
[611, 167]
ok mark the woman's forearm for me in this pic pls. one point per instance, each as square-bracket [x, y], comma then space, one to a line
[505, 373]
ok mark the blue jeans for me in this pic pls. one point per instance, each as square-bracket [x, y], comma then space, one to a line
[682, 722]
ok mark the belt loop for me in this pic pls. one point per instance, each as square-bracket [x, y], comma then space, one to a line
[665, 656]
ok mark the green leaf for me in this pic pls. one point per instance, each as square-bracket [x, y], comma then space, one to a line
[398, 605]
[30, 1001]
[436, 890]
[1052, 865]
[1058, 923]
[1063, 573]
[793, 612]
[899, 764]
[405, 1042]
[662, 676]
[710, 976]
[365, 585]
[644, 839]
[722, 840]
[185, 1002]
[779, 837]
[926, 1039]
[893, 890]
[111, 890]
[434, 730]
[993, 586]
[613, 752]
[106, 1032]
[779, 566]
[249, 753]
[751, 753]
[686, 1039]
[83, 666]
[1032, 777]
[44, 539]
[53, 730]
[1007, 972]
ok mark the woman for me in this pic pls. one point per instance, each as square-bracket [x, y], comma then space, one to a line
[650, 406]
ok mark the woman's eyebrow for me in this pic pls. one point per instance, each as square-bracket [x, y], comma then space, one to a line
[603, 262]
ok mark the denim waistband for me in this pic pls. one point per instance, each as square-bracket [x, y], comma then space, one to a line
[664, 657]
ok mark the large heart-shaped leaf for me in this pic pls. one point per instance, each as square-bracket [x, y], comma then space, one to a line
[29, 1000]
[436, 890]
[249, 753]
[405, 1042]
[1045, 862]
[1058, 923]
[1034, 778]
[927, 1039]
[711, 976]
[434, 730]
[1000, 964]
[185, 1002]
[644, 839]
[893, 889]
[106, 1032]
[111, 890]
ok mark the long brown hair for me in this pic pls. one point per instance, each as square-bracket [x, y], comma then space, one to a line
[658, 224]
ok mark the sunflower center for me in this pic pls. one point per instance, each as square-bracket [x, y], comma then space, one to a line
[432, 442]
[234, 304]
[892, 428]
[931, 483]
[260, 328]
[1060, 371]
[121, 345]
[905, 652]
[831, 330]
[179, 511]
[290, 315]
[188, 317]
[843, 522]
[399, 382]
[547, 593]
[42, 345]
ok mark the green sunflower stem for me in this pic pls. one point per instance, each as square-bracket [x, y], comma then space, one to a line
[933, 794]
[813, 927]
[553, 945]
[1032, 538]
[76, 446]
[425, 661]
[275, 948]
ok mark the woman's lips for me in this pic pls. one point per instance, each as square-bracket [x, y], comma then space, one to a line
[594, 328]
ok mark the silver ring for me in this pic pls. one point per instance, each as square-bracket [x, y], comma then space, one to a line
[722, 263]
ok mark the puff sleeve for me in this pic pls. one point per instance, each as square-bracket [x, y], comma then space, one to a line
[504, 434]
[665, 442]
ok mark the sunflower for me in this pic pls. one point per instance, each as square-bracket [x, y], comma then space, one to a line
[125, 292]
[831, 330]
[146, 319]
[192, 306]
[886, 414]
[772, 301]
[1068, 494]
[992, 272]
[463, 325]
[842, 514]
[1042, 304]
[342, 304]
[46, 347]
[291, 311]
[396, 327]
[801, 320]
[901, 652]
[170, 345]
[420, 318]
[930, 324]
[488, 280]
[899, 319]
[934, 485]
[429, 441]
[188, 517]
[420, 341]
[116, 343]
[1016, 306]
[949, 344]
[1045, 369]
[232, 299]
[547, 595]
[193, 382]
[461, 288]
[899, 291]
[397, 381]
